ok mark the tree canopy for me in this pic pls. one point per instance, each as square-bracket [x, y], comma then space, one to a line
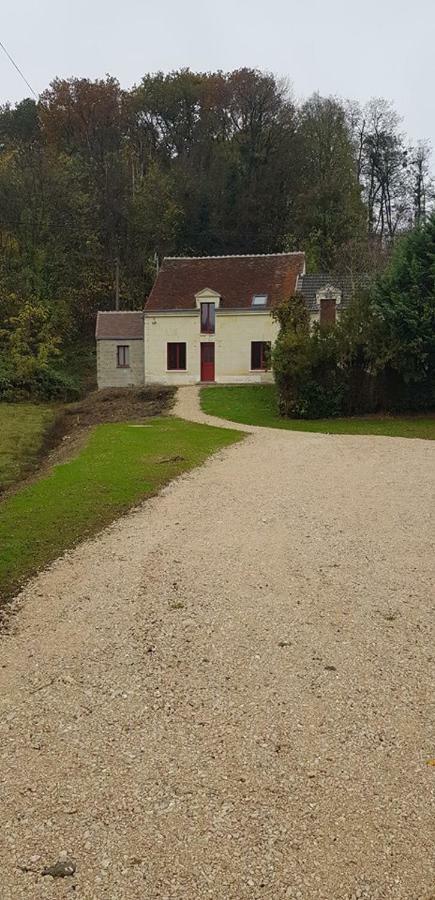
[95, 181]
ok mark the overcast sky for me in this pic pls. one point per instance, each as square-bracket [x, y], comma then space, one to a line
[352, 48]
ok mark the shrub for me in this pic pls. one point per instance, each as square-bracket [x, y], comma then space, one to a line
[44, 384]
[30, 362]
[52, 384]
[314, 401]
[7, 384]
[381, 354]
[310, 382]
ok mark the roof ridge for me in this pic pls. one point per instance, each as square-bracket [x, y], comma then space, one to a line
[240, 255]
[122, 312]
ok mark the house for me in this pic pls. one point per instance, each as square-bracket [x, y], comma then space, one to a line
[208, 319]
[326, 296]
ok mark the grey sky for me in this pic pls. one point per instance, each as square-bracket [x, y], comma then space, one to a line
[353, 48]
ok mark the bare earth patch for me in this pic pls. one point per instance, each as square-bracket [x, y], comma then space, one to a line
[228, 693]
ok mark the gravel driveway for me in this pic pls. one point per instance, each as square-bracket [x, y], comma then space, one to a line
[227, 694]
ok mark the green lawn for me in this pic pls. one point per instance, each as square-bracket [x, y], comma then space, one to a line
[22, 430]
[120, 465]
[256, 405]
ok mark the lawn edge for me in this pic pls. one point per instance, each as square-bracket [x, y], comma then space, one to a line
[313, 430]
[11, 595]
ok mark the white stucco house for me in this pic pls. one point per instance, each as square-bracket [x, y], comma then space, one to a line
[208, 319]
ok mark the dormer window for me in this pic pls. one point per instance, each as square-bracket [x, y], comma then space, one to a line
[259, 300]
[328, 300]
[328, 312]
[208, 318]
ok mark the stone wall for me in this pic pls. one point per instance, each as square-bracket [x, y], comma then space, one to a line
[109, 374]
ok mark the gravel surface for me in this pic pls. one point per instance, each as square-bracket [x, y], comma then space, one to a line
[227, 694]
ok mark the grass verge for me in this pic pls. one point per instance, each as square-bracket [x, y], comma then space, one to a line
[23, 428]
[257, 405]
[120, 465]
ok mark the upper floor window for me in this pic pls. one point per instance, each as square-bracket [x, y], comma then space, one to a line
[259, 300]
[208, 318]
[123, 356]
[328, 312]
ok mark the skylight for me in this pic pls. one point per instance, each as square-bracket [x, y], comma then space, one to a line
[259, 300]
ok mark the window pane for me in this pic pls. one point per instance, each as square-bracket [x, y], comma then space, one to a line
[260, 352]
[122, 356]
[172, 356]
[208, 318]
[176, 356]
[256, 355]
[259, 300]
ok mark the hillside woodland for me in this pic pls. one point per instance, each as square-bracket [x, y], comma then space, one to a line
[98, 183]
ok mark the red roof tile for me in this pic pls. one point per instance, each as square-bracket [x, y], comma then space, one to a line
[122, 326]
[235, 278]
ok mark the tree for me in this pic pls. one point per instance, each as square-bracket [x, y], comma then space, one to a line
[328, 208]
[422, 186]
[30, 340]
[291, 351]
[86, 119]
[381, 158]
[154, 219]
[95, 180]
[404, 301]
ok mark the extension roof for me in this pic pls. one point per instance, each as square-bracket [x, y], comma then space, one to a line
[310, 285]
[119, 326]
[235, 278]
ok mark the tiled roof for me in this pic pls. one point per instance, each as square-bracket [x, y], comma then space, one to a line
[122, 326]
[235, 278]
[309, 285]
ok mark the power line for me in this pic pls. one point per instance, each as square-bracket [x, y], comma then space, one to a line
[19, 71]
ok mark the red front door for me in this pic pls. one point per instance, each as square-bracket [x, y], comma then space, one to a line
[207, 362]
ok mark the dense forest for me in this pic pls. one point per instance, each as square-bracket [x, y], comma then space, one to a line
[97, 183]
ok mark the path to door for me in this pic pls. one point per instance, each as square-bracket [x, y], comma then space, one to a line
[227, 694]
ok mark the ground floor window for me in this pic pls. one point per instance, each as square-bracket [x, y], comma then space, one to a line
[260, 354]
[123, 356]
[176, 356]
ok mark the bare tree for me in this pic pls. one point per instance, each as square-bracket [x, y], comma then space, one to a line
[422, 185]
[382, 161]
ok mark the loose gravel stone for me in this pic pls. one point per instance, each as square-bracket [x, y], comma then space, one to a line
[63, 868]
[201, 770]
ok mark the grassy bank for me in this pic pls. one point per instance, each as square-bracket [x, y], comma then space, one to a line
[23, 427]
[257, 405]
[120, 465]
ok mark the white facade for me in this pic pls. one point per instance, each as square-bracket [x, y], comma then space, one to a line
[207, 319]
[234, 332]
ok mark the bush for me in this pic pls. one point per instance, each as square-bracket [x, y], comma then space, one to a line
[47, 383]
[7, 384]
[51, 384]
[311, 383]
[380, 357]
[314, 401]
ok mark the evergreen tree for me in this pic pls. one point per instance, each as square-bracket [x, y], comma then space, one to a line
[404, 301]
